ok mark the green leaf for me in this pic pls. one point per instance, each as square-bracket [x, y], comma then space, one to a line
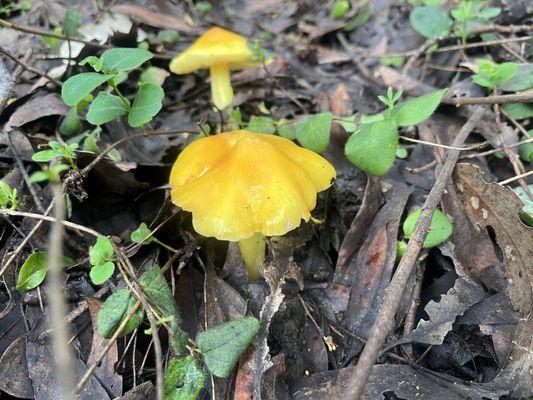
[525, 150]
[340, 8]
[52, 41]
[168, 36]
[413, 112]
[72, 21]
[106, 107]
[7, 196]
[158, 291]
[401, 152]
[430, 22]
[93, 61]
[70, 125]
[372, 148]
[101, 252]
[261, 124]
[223, 345]
[44, 156]
[78, 86]
[115, 309]
[313, 132]
[439, 230]
[526, 215]
[142, 234]
[154, 75]
[522, 80]
[146, 104]
[489, 13]
[124, 58]
[102, 272]
[34, 269]
[184, 379]
[518, 111]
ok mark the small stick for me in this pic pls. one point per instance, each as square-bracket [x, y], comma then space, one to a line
[29, 67]
[515, 178]
[56, 300]
[500, 99]
[413, 306]
[393, 294]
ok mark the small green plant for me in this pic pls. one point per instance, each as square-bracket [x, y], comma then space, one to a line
[8, 197]
[143, 235]
[470, 13]
[430, 21]
[339, 9]
[220, 346]
[101, 258]
[440, 228]
[49, 173]
[57, 151]
[526, 214]
[490, 74]
[111, 68]
[34, 270]
[373, 145]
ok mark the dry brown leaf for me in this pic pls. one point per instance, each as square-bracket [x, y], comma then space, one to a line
[497, 207]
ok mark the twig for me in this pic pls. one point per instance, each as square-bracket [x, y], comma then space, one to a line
[443, 146]
[22, 169]
[413, 306]
[25, 241]
[515, 178]
[500, 99]
[117, 333]
[56, 299]
[385, 320]
[29, 67]
[49, 219]
[158, 355]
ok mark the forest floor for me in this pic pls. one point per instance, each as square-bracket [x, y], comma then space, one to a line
[451, 320]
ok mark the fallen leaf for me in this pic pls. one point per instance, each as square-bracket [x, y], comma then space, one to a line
[148, 17]
[36, 108]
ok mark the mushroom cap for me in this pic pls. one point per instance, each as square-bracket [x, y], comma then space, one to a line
[216, 46]
[240, 183]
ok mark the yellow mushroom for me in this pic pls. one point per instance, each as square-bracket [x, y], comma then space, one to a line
[241, 186]
[221, 51]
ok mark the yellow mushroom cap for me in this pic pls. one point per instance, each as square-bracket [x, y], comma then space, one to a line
[240, 183]
[216, 46]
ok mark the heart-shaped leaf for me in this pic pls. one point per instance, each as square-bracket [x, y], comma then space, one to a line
[106, 107]
[115, 309]
[372, 148]
[146, 104]
[184, 379]
[439, 230]
[223, 345]
[313, 132]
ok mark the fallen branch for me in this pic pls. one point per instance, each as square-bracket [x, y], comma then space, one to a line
[501, 99]
[384, 322]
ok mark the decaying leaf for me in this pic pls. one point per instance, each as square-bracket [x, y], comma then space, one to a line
[490, 205]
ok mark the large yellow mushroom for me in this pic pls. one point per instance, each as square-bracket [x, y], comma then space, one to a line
[221, 51]
[241, 186]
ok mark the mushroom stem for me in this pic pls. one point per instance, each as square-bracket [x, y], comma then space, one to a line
[253, 254]
[221, 89]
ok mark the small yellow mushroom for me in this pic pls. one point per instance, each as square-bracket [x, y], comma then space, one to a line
[221, 51]
[241, 186]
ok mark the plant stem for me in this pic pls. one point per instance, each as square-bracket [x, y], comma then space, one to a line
[115, 89]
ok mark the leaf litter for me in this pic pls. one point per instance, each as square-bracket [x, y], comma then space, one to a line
[323, 284]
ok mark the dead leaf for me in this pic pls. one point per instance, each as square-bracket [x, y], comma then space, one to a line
[14, 379]
[491, 205]
[148, 17]
[403, 381]
[442, 314]
[339, 101]
[36, 108]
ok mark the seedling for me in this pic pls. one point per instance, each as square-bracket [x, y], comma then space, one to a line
[111, 69]
[374, 142]
[339, 9]
[34, 270]
[57, 151]
[49, 173]
[101, 259]
[490, 74]
[8, 197]
[470, 13]
[143, 235]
